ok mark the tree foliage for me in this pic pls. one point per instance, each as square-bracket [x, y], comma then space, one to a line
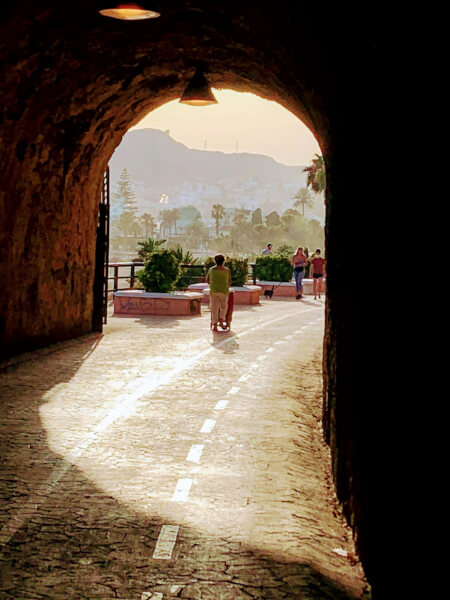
[161, 272]
[303, 199]
[217, 213]
[273, 268]
[316, 176]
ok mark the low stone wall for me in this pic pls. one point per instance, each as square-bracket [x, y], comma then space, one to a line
[288, 289]
[138, 302]
[247, 294]
[199, 287]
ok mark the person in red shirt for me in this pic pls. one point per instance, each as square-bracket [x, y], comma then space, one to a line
[318, 272]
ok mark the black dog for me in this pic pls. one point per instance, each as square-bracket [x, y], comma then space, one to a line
[268, 293]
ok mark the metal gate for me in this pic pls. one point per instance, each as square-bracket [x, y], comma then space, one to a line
[100, 309]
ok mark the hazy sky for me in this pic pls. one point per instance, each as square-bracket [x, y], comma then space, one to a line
[239, 122]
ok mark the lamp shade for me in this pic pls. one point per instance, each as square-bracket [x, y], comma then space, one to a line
[198, 91]
[129, 12]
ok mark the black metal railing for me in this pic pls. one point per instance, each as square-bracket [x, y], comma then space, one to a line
[126, 272]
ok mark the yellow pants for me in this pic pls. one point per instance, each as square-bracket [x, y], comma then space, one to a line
[219, 305]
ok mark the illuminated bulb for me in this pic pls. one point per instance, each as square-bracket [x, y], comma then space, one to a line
[129, 12]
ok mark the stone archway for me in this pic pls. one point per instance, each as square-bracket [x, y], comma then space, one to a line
[80, 92]
[73, 83]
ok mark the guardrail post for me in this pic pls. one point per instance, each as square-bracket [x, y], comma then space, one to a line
[116, 277]
[132, 276]
[253, 266]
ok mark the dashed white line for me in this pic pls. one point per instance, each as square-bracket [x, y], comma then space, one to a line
[244, 377]
[182, 490]
[125, 406]
[208, 426]
[270, 350]
[164, 546]
[262, 357]
[221, 405]
[195, 453]
[233, 390]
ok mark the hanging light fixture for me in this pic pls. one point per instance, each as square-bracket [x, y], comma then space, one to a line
[198, 91]
[129, 12]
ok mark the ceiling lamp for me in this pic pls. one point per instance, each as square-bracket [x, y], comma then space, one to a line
[198, 92]
[129, 12]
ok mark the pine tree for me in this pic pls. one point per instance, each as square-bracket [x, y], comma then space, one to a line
[126, 194]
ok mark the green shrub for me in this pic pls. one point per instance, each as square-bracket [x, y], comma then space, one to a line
[161, 272]
[273, 268]
[188, 274]
[148, 247]
[237, 266]
[239, 270]
[208, 262]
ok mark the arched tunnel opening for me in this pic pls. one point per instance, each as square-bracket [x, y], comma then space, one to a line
[74, 83]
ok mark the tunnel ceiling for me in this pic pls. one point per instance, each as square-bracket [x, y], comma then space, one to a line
[88, 71]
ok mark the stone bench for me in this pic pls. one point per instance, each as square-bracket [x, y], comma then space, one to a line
[199, 287]
[138, 302]
[247, 294]
[288, 289]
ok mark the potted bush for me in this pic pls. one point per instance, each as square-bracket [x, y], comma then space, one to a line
[239, 270]
[160, 272]
[189, 274]
[273, 268]
[158, 277]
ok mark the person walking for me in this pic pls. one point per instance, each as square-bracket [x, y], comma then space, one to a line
[318, 272]
[298, 261]
[219, 279]
[267, 250]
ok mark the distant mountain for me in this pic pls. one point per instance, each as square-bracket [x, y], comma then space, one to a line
[158, 164]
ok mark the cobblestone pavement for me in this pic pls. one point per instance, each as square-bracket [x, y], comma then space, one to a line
[160, 460]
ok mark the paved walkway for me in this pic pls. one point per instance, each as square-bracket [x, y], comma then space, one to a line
[159, 460]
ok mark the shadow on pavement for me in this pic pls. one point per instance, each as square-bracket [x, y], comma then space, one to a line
[82, 543]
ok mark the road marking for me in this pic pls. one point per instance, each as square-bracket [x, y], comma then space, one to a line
[270, 349]
[175, 589]
[182, 490]
[221, 405]
[165, 544]
[208, 426]
[288, 337]
[152, 596]
[195, 453]
[279, 342]
[244, 377]
[125, 405]
[233, 390]
[262, 357]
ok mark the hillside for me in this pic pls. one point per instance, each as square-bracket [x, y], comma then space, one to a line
[158, 164]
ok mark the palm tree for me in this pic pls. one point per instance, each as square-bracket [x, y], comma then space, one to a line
[175, 213]
[303, 198]
[217, 213]
[166, 219]
[148, 247]
[316, 178]
[149, 224]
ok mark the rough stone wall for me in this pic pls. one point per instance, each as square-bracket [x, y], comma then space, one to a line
[74, 82]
